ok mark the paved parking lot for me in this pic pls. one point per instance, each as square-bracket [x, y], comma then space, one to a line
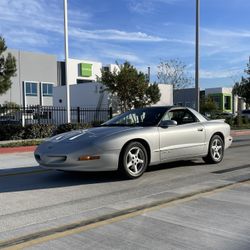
[220, 220]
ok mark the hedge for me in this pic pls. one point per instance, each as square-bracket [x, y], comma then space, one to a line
[35, 131]
[11, 132]
[70, 126]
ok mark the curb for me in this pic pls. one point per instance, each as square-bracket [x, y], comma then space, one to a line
[22, 149]
[240, 132]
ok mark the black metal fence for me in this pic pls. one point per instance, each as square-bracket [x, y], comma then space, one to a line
[51, 115]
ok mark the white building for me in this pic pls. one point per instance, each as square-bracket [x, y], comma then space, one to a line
[90, 95]
[166, 91]
[40, 80]
[82, 71]
[34, 79]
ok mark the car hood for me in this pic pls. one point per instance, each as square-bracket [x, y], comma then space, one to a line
[89, 134]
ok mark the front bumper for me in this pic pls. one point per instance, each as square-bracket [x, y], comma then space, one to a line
[228, 141]
[108, 161]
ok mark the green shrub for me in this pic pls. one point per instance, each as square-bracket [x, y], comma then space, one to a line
[34, 131]
[96, 123]
[11, 132]
[230, 121]
[70, 126]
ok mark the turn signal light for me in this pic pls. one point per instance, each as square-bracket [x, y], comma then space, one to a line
[89, 157]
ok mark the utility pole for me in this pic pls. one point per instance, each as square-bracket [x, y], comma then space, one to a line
[197, 59]
[66, 47]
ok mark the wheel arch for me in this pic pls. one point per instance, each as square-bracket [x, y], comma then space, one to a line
[219, 134]
[143, 142]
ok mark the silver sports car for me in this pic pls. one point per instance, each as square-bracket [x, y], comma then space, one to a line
[133, 140]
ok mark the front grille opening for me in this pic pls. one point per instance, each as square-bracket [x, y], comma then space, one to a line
[37, 156]
[57, 159]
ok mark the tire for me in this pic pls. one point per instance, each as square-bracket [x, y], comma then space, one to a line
[215, 150]
[133, 160]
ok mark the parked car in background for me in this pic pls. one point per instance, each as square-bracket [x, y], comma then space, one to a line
[133, 140]
[246, 113]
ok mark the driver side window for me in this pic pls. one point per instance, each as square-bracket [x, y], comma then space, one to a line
[181, 116]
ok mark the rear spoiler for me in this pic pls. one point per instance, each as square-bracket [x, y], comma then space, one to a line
[217, 120]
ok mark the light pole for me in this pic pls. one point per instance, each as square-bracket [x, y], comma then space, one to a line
[197, 59]
[66, 47]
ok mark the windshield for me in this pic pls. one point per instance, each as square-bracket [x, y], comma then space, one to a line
[138, 117]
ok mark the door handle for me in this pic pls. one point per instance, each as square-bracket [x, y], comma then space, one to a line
[200, 129]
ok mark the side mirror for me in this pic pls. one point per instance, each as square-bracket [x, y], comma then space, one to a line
[168, 123]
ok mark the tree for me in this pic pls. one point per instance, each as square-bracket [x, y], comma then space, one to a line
[130, 86]
[208, 105]
[151, 95]
[242, 88]
[174, 72]
[7, 67]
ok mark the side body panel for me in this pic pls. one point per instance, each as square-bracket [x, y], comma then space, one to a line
[182, 141]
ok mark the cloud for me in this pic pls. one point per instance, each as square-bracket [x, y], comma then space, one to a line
[112, 34]
[122, 55]
[119, 35]
[28, 37]
[220, 73]
[46, 16]
[227, 33]
[225, 45]
[147, 6]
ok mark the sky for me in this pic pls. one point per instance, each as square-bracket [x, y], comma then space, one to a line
[143, 32]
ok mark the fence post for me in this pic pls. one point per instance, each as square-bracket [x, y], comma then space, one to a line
[39, 111]
[78, 115]
[23, 116]
[110, 112]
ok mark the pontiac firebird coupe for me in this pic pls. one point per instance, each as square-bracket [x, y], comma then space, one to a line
[133, 140]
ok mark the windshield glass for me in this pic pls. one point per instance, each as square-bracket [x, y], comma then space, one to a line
[138, 117]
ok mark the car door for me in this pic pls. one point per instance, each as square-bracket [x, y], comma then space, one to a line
[185, 140]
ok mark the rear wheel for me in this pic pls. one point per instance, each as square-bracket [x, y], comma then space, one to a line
[133, 160]
[215, 151]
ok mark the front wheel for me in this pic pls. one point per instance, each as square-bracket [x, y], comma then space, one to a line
[215, 151]
[133, 160]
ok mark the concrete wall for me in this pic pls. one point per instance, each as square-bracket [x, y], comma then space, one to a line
[221, 90]
[185, 97]
[166, 95]
[219, 95]
[31, 67]
[82, 95]
[74, 72]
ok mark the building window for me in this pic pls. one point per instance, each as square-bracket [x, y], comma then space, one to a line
[47, 89]
[227, 102]
[106, 69]
[31, 88]
[80, 81]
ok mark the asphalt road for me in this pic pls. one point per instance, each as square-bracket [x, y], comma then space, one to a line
[183, 205]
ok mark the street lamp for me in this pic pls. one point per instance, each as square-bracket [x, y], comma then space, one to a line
[197, 62]
[66, 47]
